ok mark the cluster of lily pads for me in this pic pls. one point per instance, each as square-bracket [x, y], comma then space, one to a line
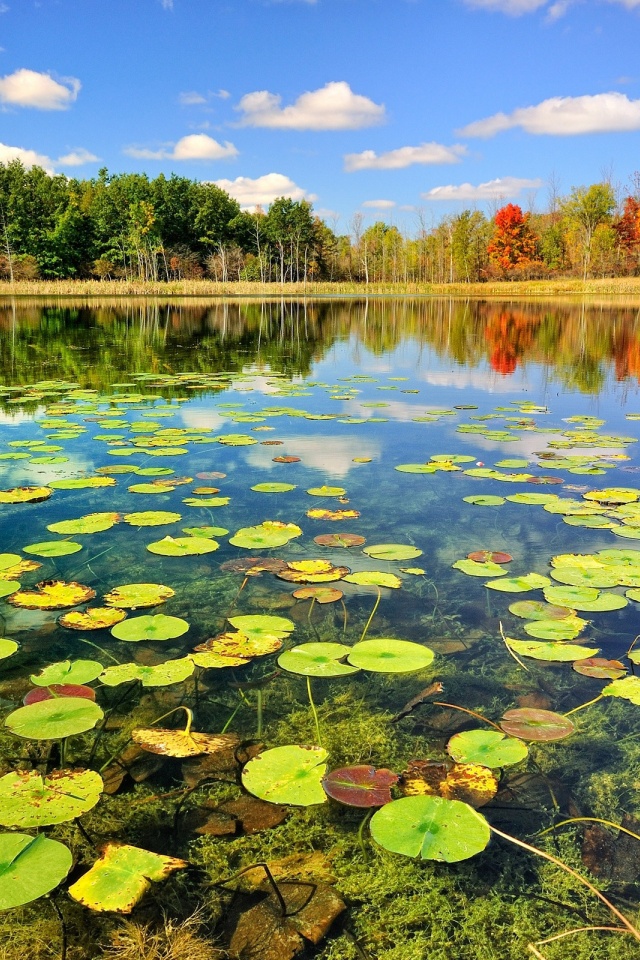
[429, 810]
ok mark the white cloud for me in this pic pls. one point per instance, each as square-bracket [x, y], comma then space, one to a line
[166, 4]
[491, 190]
[333, 107]
[629, 4]
[28, 157]
[514, 8]
[191, 98]
[4, 8]
[565, 116]
[27, 88]
[261, 191]
[195, 146]
[425, 153]
[379, 204]
[75, 158]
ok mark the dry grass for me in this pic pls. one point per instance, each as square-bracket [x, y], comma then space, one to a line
[172, 941]
[615, 286]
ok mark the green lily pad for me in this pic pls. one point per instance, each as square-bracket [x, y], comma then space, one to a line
[54, 719]
[158, 627]
[7, 648]
[150, 488]
[135, 595]
[67, 671]
[53, 548]
[490, 748]
[182, 546]
[530, 581]
[537, 725]
[392, 551]
[605, 603]
[91, 523]
[206, 502]
[374, 578]
[416, 467]
[550, 651]
[627, 688]
[82, 483]
[257, 626]
[579, 577]
[291, 775]
[270, 533]
[27, 799]
[30, 867]
[627, 532]
[537, 610]
[326, 491]
[121, 877]
[485, 500]
[273, 487]
[604, 523]
[151, 518]
[475, 568]
[7, 587]
[431, 828]
[208, 532]
[566, 629]
[162, 675]
[317, 660]
[532, 499]
[387, 655]
[571, 596]
[8, 560]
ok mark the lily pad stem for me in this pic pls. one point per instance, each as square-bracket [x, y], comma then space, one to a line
[567, 933]
[344, 625]
[259, 701]
[189, 713]
[607, 823]
[63, 928]
[314, 712]
[583, 705]
[364, 822]
[577, 876]
[231, 719]
[478, 716]
[103, 652]
[373, 612]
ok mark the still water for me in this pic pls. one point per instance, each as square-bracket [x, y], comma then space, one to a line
[388, 440]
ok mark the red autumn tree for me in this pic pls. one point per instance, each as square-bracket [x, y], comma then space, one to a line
[627, 228]
[513, 243]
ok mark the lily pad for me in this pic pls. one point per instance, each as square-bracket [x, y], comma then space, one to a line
[551, 651]
[392, 551]
[158, 627]
[182, 546]
[571, 596]
[91, 523]
[136, 595]
[473, 568]
[317, 660]
[488, 747]
[319, 594]
[579, 577]
[339, 540]
[387, 655]
[260, 626]
[182, 743]
[530, 581]
[566, 629]
[208, 532]
[67, 671]
[628, 688]
[528, 723]
[53, 548]
[93, 618]
[270, 533]
[54, 719]
[600, 668]
[489, 556]
[273, 487]
[119, 880]
[291, 775]
[374, 578]
[7, 648]
[151, 518]
[319, 514]
[7, 587]
[486, 500]
[27, 799]
[326, 491]
[9, 560]
[52, 595]
[162, 675]
[537, 610]
[431, 828]
[30, 867]
[360, 786]
[470, 782]
[82, 483]
[36, 694]
[25, 495]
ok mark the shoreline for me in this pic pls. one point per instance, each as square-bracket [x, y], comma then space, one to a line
[509, 290]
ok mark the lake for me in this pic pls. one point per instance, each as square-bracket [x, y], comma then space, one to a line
[355, 571]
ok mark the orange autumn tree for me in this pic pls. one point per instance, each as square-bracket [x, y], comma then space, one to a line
[513, 243]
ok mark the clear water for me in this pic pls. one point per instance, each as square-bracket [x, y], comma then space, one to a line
[395, 381]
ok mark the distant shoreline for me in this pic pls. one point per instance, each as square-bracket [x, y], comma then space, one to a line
[511, 290]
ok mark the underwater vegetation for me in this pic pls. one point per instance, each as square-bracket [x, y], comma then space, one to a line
[260, 703]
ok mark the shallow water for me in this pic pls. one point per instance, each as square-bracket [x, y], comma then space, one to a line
[354, 389]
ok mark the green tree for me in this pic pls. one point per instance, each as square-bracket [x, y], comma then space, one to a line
[585, 210]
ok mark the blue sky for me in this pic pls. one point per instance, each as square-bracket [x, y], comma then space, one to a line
[394, 109]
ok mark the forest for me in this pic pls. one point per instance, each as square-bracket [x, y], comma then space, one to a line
[128, 226]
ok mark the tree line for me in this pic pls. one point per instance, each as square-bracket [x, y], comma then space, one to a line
[128, 226]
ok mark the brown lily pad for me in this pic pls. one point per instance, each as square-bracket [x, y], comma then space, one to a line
[210, 475]
[133, 762]
[59, 690]
[261, 932]
[469, 782]
[340, 540]
[320, 514]
[609, 856]
[286, 459]
[600, 668]
[538, 725]
[255, 815]
[182, 743]
[253, 565]
[52, 595]
[227, 763]
[489, 556]
[360, 786]
[319, 594]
